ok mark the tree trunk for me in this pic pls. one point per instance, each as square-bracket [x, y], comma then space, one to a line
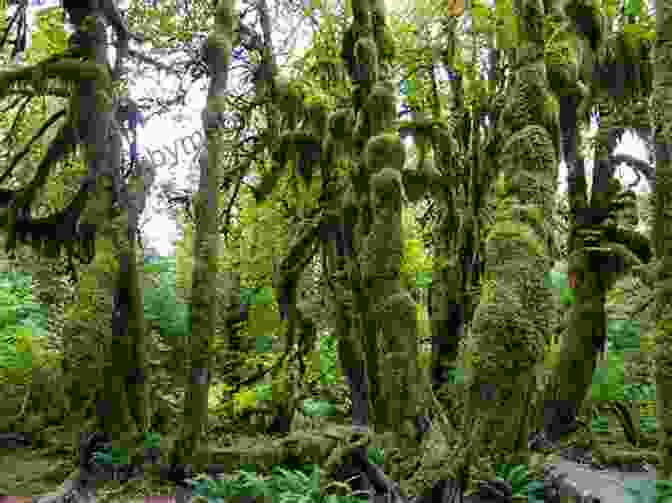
[203, 316]
[511, 322]
[661, 110]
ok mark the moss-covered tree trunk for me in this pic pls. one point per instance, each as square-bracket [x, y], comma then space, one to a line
[203, 314]
[448, 311]
[392, 317]
[128, 319]
[661, 112]
[600, 249]
[512, 320]
[121, 405]
[386, 319]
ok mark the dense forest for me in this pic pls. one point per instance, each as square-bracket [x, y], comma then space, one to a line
[379, 292]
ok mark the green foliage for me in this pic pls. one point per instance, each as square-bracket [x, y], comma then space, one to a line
[457, 376]
[632, 7]
[161, 303]
[112, 456]
[639, 391]
[264, 344]
[559, 281]
[49, 37]
[321, 408]
[328, 359]
[17, 306]
[507, 27]
[423, 279]
[152, 439]
[282, 486]
[600, 424]
[609, 380]
[648, 424]
[415, 259]
[264, 392]
[21, 319]
[517, 475]
[244, 400]
[16, 348]
[262, 296]
[624, 335]
[376, 455]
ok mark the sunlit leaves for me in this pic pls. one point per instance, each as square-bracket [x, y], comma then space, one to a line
[507, 27]
[635, 33]
[50, 36]
[632, 7]
[483, 17]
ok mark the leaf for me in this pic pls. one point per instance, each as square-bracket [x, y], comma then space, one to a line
[314, 408]
[457, 376]
[632, 7]
[423, 279]
[264, 392]
[264, 344]
[244, 400]
[624, 334]
[376, 455]
[264, 296]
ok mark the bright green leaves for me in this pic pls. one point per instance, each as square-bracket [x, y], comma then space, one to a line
[501, 21]
[611, 7]
[483, 17]
[609, 380]
[517, 475]
[376, 455]
[635, 33]
[506, 25]
[263, 296]
[320, 408]
[264, 344]
[283, 486]
[632, 7]
[415, 261]
[423, 279]
[21, 319]
[457, 376]
[112, 456]
[328, 359]
[624, 335]
[50, 36]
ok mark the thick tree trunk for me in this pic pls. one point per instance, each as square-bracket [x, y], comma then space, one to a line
[511, 322]
[203, 317]
[661, 110]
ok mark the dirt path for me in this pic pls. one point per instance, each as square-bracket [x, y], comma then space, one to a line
[610, 485]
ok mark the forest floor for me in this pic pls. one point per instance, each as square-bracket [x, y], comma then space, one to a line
[28, 472]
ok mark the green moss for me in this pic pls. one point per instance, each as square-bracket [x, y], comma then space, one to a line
[385, 150]
[511, 231]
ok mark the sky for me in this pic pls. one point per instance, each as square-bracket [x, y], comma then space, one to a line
[162, 133]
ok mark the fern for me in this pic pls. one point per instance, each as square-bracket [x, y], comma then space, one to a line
[517, 475]
[283, 486]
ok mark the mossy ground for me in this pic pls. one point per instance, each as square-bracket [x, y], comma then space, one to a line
[28, 472]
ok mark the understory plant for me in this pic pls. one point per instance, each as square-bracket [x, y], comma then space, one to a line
[21, 321]
[283, 486]
[518, 476]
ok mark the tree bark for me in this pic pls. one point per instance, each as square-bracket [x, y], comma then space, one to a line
[511, 322]
[661, 110]
[203, 319]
